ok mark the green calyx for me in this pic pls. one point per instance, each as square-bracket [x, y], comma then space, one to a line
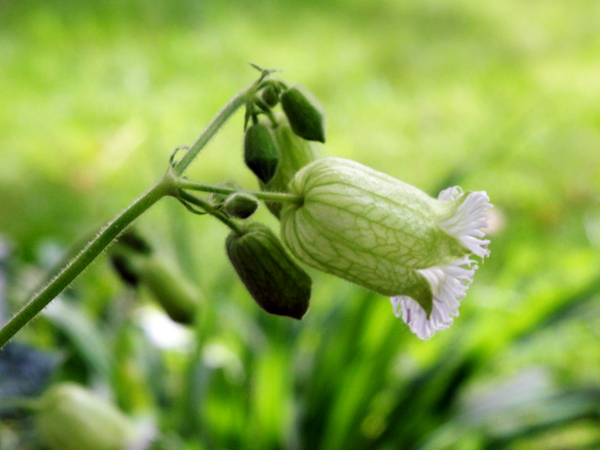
[295, 152]
[305, 113]
[274, 280]
[368, 228]
[260, 152]
[240, 205]
[270, 94]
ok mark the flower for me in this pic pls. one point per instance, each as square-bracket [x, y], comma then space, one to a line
[388, 236]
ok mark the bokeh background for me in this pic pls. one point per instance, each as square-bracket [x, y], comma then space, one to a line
[501, 96]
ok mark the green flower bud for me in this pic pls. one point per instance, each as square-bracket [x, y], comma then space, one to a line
[218, 200]
[270, 95]
[73, 418]
[305, 113]
[241, 205]
[274, 280]
[179, 298]
[260, 152]
[390, 237]
[295, 154]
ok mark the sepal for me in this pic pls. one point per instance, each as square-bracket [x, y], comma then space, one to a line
[240, 205]
[295, 153]
[274, 280]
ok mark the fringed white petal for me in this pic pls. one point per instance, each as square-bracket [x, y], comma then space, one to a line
[449, 285]
[470, 217]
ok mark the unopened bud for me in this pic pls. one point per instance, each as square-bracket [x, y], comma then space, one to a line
[216, 199]
[295, 153]
[260, 152]
[73, 418]
[270, 95]
[241, 205]
[274, 280]
[305, 113]
[177, 295]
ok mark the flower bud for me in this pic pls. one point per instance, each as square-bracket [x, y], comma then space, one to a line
[295, 153]
[274, 280]
[390, 237]
[305, 113]
[260, 152]
[270, 95]
[217, 199]
[240, 205]
[179, 298]
[124, 266]
[73, 418]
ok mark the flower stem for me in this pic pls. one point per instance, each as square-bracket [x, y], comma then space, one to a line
[210, 210]
[219, 120]
[166, 186]
[278, 197]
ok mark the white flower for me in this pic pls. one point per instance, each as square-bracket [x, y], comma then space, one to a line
[388, 236]
[449, 283]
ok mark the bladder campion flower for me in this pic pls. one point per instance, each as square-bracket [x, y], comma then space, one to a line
[388, 236]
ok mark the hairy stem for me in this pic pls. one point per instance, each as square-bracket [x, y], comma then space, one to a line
[166, 186]
[234, 104]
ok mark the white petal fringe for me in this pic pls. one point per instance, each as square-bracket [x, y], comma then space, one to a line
[470, 217]
[449, 285]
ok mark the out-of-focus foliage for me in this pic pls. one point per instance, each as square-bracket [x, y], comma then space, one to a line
[502, 96]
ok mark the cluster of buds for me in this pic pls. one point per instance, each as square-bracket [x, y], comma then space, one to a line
[281, 142]
[351, 221]
[276, 147]
[343, 218]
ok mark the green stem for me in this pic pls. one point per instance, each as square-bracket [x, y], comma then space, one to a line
[278, 197]
[210, 210]
[166, 186]
[212, 128]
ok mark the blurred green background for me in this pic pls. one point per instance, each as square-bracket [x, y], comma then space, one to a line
[501, 96]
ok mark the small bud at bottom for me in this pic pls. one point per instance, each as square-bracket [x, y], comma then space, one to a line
[274, 280]
[241, 205]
